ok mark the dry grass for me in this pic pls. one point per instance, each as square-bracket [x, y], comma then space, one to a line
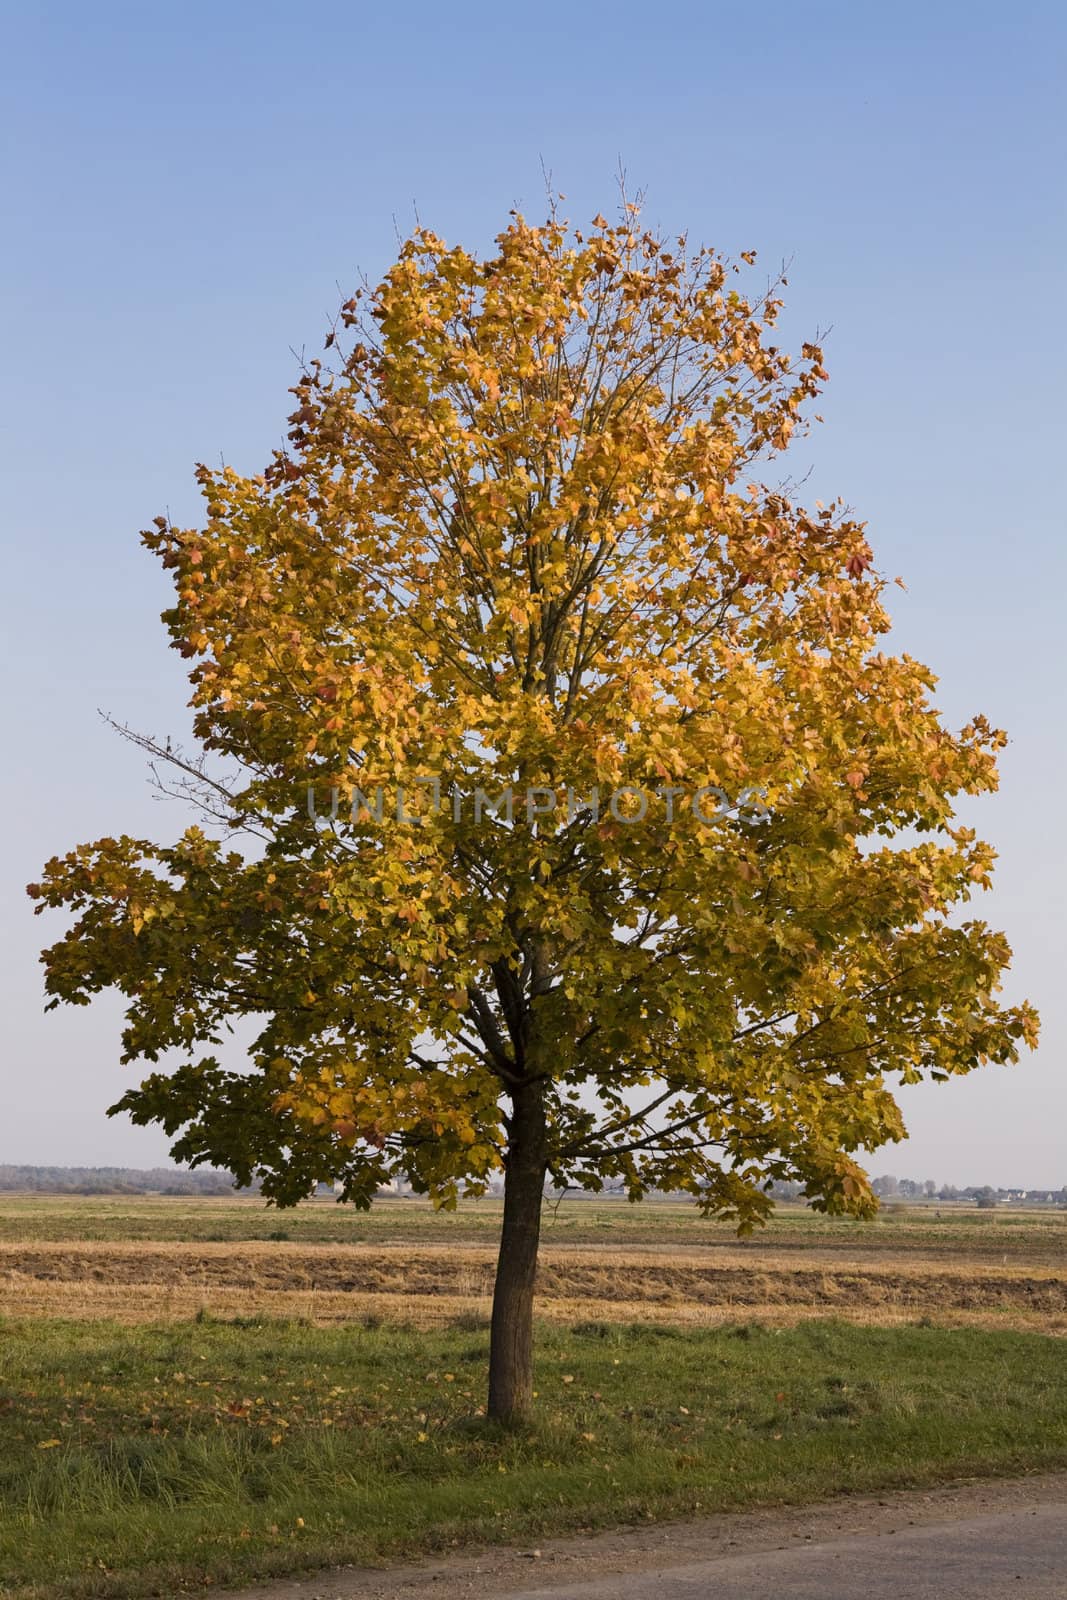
[424, 1286]
[1008, 1236]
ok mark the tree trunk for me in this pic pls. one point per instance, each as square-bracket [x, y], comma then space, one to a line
[511, 1338]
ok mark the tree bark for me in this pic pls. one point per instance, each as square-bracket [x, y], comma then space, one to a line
[511, 1336]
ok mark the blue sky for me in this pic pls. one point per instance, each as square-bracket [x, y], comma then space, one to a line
[187, 189]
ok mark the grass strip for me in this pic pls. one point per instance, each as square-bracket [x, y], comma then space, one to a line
[138, 1459]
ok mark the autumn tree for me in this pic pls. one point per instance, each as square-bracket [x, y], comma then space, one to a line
[561, 811]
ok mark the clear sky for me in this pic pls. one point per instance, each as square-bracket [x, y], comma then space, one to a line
[187, 188]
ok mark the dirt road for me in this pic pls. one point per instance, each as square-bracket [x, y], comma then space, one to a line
[975, 1541]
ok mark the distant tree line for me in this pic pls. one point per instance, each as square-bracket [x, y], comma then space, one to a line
[115, 1180]
[212, 1181]
[984, 1195]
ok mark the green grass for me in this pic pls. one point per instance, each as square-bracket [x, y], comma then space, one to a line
[133, 1460]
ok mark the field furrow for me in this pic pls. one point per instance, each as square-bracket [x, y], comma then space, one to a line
[419, 1284]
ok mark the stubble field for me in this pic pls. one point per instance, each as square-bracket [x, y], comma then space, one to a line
[203, 1391]
[404, 1264]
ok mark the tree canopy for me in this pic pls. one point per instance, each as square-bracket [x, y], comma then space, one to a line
[524, 547]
